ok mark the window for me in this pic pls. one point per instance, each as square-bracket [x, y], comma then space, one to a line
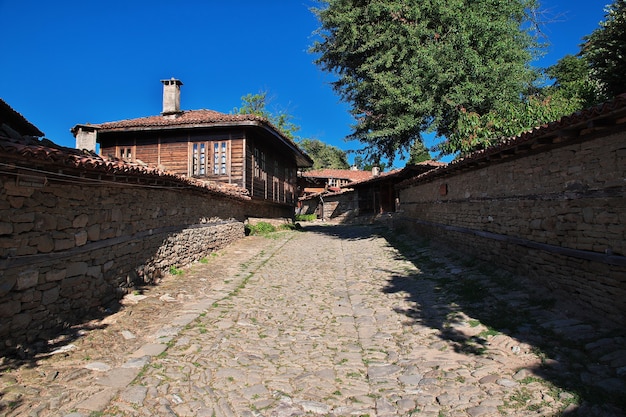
[126, 154]
[199, 159]
[220, 158]
[259, 164]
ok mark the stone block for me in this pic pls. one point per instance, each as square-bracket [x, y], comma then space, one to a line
[80, 221]
[63, 223]
[6, 228]
[23, 228]
[10, 308]
[12, 189]
[76, 269]
[45, 222]
[25, 250]
[23, 218]
[116, 214]
[50, 296]
[80, 238]
[94, 271]
[21, 321]
[93, 232]
[607, 218]
[535, 224]
[48, 200]
[27, 279]
[107, 266]
[7, 282]
[55, 275]
[44, 243]
[16, 202]
[63, 244]
[588, 214]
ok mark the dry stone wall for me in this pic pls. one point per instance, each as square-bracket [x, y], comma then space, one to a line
[339, 207]
[556, 216]
[69, 249]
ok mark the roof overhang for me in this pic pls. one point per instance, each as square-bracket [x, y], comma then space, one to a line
[302, 159]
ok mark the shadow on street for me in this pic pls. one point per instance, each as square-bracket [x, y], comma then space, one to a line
[503, 304]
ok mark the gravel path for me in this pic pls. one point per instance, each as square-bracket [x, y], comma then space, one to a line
[333, 321]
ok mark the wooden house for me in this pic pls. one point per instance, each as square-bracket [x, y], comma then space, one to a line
[329, 180]
[378, 194]
[243, 150]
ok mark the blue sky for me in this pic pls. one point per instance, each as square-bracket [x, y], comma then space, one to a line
[66, 62]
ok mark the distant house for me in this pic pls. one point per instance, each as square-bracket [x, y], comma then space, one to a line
[378, 194]
[344, 195]
[244, 150]
[330, 180]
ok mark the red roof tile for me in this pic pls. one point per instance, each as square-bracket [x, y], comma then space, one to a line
[195, 119]
[409, 170]
[16, 121]
[346, 174]
[34, 153]
[185, 118]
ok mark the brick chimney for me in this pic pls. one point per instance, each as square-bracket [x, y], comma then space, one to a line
[171, 97]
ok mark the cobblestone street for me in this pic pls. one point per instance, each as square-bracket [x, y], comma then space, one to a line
[330, 321]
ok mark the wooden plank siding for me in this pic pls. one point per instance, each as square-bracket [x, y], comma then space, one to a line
[174, 154]
[266, 174]
[271, 176]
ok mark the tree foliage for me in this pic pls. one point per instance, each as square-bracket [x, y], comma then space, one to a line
[596, 74]
[573, 81]
[477, 131]
[323, 155]
[410, 66]
[418, 153]
[605, 50]
[367, 163]
[257, 104]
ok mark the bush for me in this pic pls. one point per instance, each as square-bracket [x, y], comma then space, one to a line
[260, 228]
[306, 217]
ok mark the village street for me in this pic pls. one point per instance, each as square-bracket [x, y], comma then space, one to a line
[329, 321]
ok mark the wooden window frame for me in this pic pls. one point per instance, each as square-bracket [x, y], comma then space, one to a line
[199, 159]
[220, 157]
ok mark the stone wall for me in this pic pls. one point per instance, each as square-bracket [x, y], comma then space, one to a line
[339, 207]
[556, 216]
[69, 248]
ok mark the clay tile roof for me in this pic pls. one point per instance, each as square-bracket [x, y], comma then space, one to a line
[190, 118]
[44, 154]
[198, 118]
[402, 173]
[344, 174]
[16, 121]
[568, 128]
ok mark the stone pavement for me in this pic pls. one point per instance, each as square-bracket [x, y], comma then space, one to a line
[333, 321]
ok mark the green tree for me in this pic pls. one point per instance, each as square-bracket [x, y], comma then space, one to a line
[605, 50]
[366, 163]
[257, 104]
[418, 153]
[572, 81]
[410, 66]
[477, 131]
[324, 155]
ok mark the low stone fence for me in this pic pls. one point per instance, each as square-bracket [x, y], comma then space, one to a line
[550, 206]
[71, 246]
